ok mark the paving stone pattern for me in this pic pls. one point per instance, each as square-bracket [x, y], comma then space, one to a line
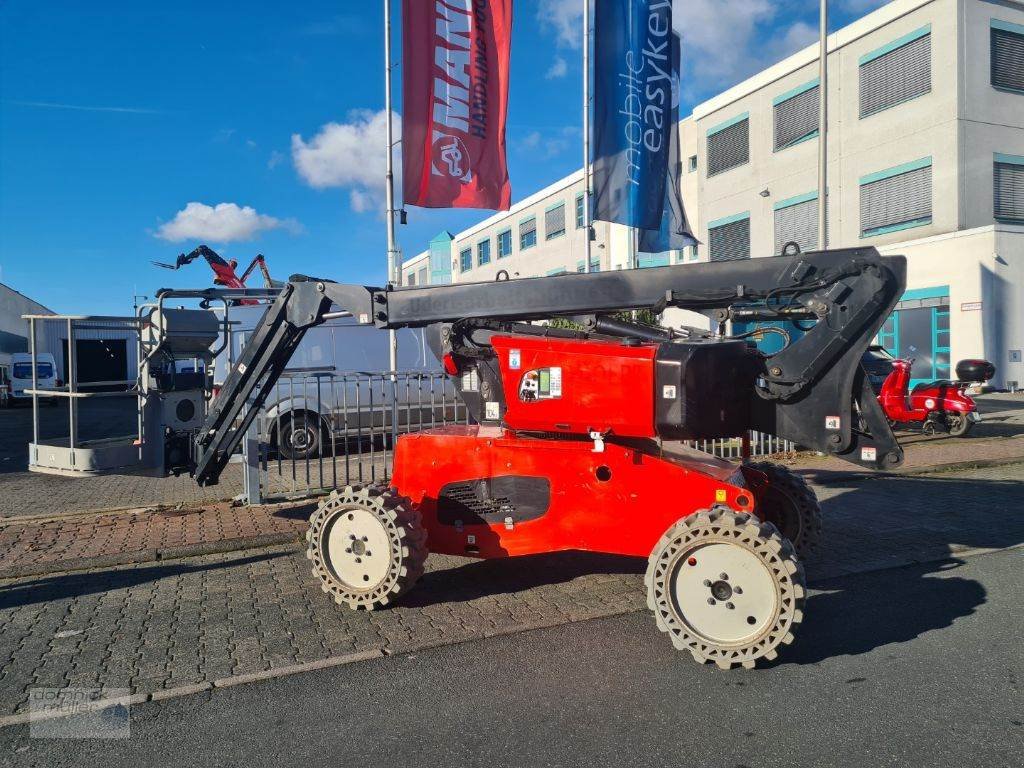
[169, 624]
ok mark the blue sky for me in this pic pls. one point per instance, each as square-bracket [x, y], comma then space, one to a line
[267, 121]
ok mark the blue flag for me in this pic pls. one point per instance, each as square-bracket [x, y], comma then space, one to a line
[633, 121]
[674, 233]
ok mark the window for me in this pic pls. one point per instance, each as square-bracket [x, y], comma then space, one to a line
[410, 279]
[796, 221]
[693, 163]
[465, 260]
[595, 265]
[896, 73]
[527, 233]
[899, 198]
[729, 145]
[1007, 56]
[556, 271]
[504, 243]
[579, 211]
[483, 252]
[797, 115]
[24, 371]
[1009, 188]
[554, 221]
[729, 239]
[423, 276]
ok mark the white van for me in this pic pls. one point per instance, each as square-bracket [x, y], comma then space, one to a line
[334, 382]
[21, 375]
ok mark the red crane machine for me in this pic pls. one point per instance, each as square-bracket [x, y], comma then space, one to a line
[577, 440]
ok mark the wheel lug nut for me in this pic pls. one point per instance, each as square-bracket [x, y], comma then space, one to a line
[730, 606]
[738, 590]
[723, 576]
[359, 559]
[707, 582]
[348, 550]
[711, 601]
[365, 539]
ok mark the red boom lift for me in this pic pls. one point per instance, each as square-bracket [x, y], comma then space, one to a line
[224, 270]
[577, 437]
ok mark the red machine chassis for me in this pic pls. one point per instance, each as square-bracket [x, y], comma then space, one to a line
[618, 501]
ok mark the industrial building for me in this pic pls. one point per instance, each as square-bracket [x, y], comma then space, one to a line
[926, 159]
[106, 349]
[13, 330]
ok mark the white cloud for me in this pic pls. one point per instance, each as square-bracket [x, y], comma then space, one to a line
[565, 18]
[349, 155]
[544, 145]
[557, 69]
[221, 223]
[275, 159]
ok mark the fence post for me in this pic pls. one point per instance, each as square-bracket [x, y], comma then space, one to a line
[251, 465]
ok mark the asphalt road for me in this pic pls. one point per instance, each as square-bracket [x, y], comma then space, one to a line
[918, 666]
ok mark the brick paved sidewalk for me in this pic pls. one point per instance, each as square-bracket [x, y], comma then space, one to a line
[167, 625]
[68, 542]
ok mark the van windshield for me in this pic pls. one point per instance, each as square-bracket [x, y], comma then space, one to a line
[24, 370]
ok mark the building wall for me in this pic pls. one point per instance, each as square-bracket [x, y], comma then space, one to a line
[923, 127]
[13, 329]
[992, 120]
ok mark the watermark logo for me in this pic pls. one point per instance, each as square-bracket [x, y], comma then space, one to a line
[79, 713]
[451, 158]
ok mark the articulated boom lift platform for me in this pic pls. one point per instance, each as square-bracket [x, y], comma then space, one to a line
[577, 437]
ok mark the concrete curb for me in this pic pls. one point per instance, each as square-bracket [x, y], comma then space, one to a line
[188, 690]
[153, 555]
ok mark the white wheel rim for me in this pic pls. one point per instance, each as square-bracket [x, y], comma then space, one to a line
[711, 578]
[357, 549]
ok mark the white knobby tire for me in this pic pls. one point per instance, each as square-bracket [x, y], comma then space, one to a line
[367, 546]
[726, 587]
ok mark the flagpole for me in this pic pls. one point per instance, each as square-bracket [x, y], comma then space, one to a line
[823, 127]
[390, 180]
[587, 223]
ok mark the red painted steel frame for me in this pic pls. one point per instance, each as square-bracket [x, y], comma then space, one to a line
[605, 386]
[626, 514]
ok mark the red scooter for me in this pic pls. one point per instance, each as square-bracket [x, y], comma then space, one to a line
[942, 406]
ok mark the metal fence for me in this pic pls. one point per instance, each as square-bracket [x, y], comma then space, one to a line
[319, 430]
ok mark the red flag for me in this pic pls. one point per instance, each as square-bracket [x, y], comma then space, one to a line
[455, 66]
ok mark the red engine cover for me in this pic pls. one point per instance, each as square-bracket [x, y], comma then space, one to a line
[577, 386]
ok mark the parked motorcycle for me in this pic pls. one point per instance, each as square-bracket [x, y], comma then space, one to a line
[942, 405]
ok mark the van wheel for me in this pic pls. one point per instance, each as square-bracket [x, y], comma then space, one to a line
[299, 436]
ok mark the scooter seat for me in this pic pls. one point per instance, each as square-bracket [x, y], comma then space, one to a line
[937, 384]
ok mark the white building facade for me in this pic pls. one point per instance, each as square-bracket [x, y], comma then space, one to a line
[926, 159]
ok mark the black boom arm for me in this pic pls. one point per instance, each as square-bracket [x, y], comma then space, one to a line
[813, 392]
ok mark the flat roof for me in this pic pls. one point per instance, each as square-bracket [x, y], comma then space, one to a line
[26, 298]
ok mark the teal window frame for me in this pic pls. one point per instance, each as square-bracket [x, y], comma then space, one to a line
[466, 259]
[1013, 29]
[526, 246]
[782, 99]
[502, 234]
[888, 173]
[1000, 158]
[483, 255]
[558, 232]
[578, 210]
[899, 42]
